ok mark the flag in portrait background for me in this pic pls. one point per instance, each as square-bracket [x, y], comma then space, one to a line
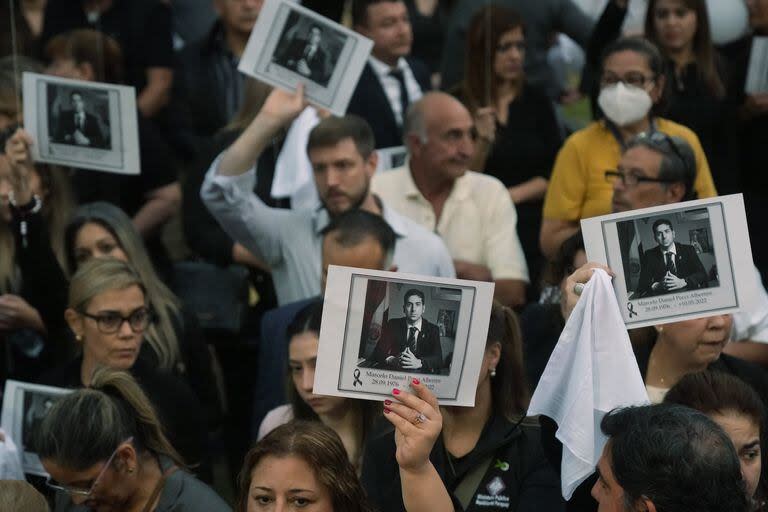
[375, 315]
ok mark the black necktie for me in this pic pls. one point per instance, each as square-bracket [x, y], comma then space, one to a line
[398, 75]
[671, 263]
[412, 339]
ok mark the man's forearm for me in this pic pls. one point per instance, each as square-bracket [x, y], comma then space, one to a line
[161, 205]
[157, 92]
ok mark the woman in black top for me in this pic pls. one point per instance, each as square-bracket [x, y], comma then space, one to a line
[489, 456]
[109, 312]
[518, 132]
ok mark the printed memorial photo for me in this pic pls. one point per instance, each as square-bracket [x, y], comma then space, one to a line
[405, 327]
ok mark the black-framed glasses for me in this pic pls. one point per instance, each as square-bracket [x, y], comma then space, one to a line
[631, 179]
[634, 78]
[111, 322]
[79, 491]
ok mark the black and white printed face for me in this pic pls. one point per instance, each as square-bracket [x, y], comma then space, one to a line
[78, 103]
[413, 308]
[665, 235]
[315, 36]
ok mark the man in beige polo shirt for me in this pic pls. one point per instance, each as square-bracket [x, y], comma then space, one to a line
[472, 212]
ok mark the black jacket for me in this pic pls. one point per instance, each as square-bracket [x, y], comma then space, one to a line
[91, 130]
[394, 340]
[654, 268]
[370, 102]
[517, 463]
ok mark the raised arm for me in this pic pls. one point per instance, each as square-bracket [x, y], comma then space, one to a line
[280, 109]
[418, 422]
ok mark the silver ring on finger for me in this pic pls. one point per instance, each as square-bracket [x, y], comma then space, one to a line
[420, 418]
[578, 288]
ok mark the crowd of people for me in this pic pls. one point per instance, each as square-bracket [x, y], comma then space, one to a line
[182, 306]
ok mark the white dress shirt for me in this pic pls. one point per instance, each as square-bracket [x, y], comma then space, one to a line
[392, 86]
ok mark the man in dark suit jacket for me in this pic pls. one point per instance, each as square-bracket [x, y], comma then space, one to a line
[391, 80]
[79, 127]
[411, 343]
[308, 57]
[670, 267]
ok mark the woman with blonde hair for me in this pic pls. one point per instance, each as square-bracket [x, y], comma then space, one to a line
[109, 314]
[102, 230]
[104, 448]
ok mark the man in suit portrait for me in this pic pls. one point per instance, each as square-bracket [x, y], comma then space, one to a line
[308, 57]
[79, 127]
[410, 343]
[669, 267]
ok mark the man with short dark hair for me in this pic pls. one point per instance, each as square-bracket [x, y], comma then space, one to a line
[356, 238]
[410, 342]
[391, 79]
[654, 169]
[289, 241]
[670, 266]
[667, 458]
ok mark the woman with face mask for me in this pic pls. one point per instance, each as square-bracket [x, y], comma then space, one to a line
[695, 89]
[631, 85]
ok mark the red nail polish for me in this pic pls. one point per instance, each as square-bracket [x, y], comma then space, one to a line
[395, 391]
[386, 411]
[416, 382]
[387, 402]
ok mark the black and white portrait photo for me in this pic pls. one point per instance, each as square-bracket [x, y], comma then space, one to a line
[25, 406]
[664, 253]
[309, 48]
[36, 407]
[402, 327]
[82, 124]
[292, 45]
[382, 329]
[677, 261]
[78, 117]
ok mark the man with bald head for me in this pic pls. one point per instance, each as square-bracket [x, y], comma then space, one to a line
[472, 212]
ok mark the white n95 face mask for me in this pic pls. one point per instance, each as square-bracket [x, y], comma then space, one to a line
[624, 104]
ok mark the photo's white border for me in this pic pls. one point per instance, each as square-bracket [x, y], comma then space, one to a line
[262, 45]
[733, 254]
[123, 158]
[342, 312]
[387, 155]
[12, 419]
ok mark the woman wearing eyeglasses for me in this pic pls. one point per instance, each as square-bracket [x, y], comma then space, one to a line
[695, 89]
[105, 450]
[109, 315]
[518, 132]
[631, 85]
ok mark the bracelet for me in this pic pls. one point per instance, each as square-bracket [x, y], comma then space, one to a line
[34, 206]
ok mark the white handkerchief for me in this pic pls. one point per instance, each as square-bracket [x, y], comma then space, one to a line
[591, 372]
[293, 171]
